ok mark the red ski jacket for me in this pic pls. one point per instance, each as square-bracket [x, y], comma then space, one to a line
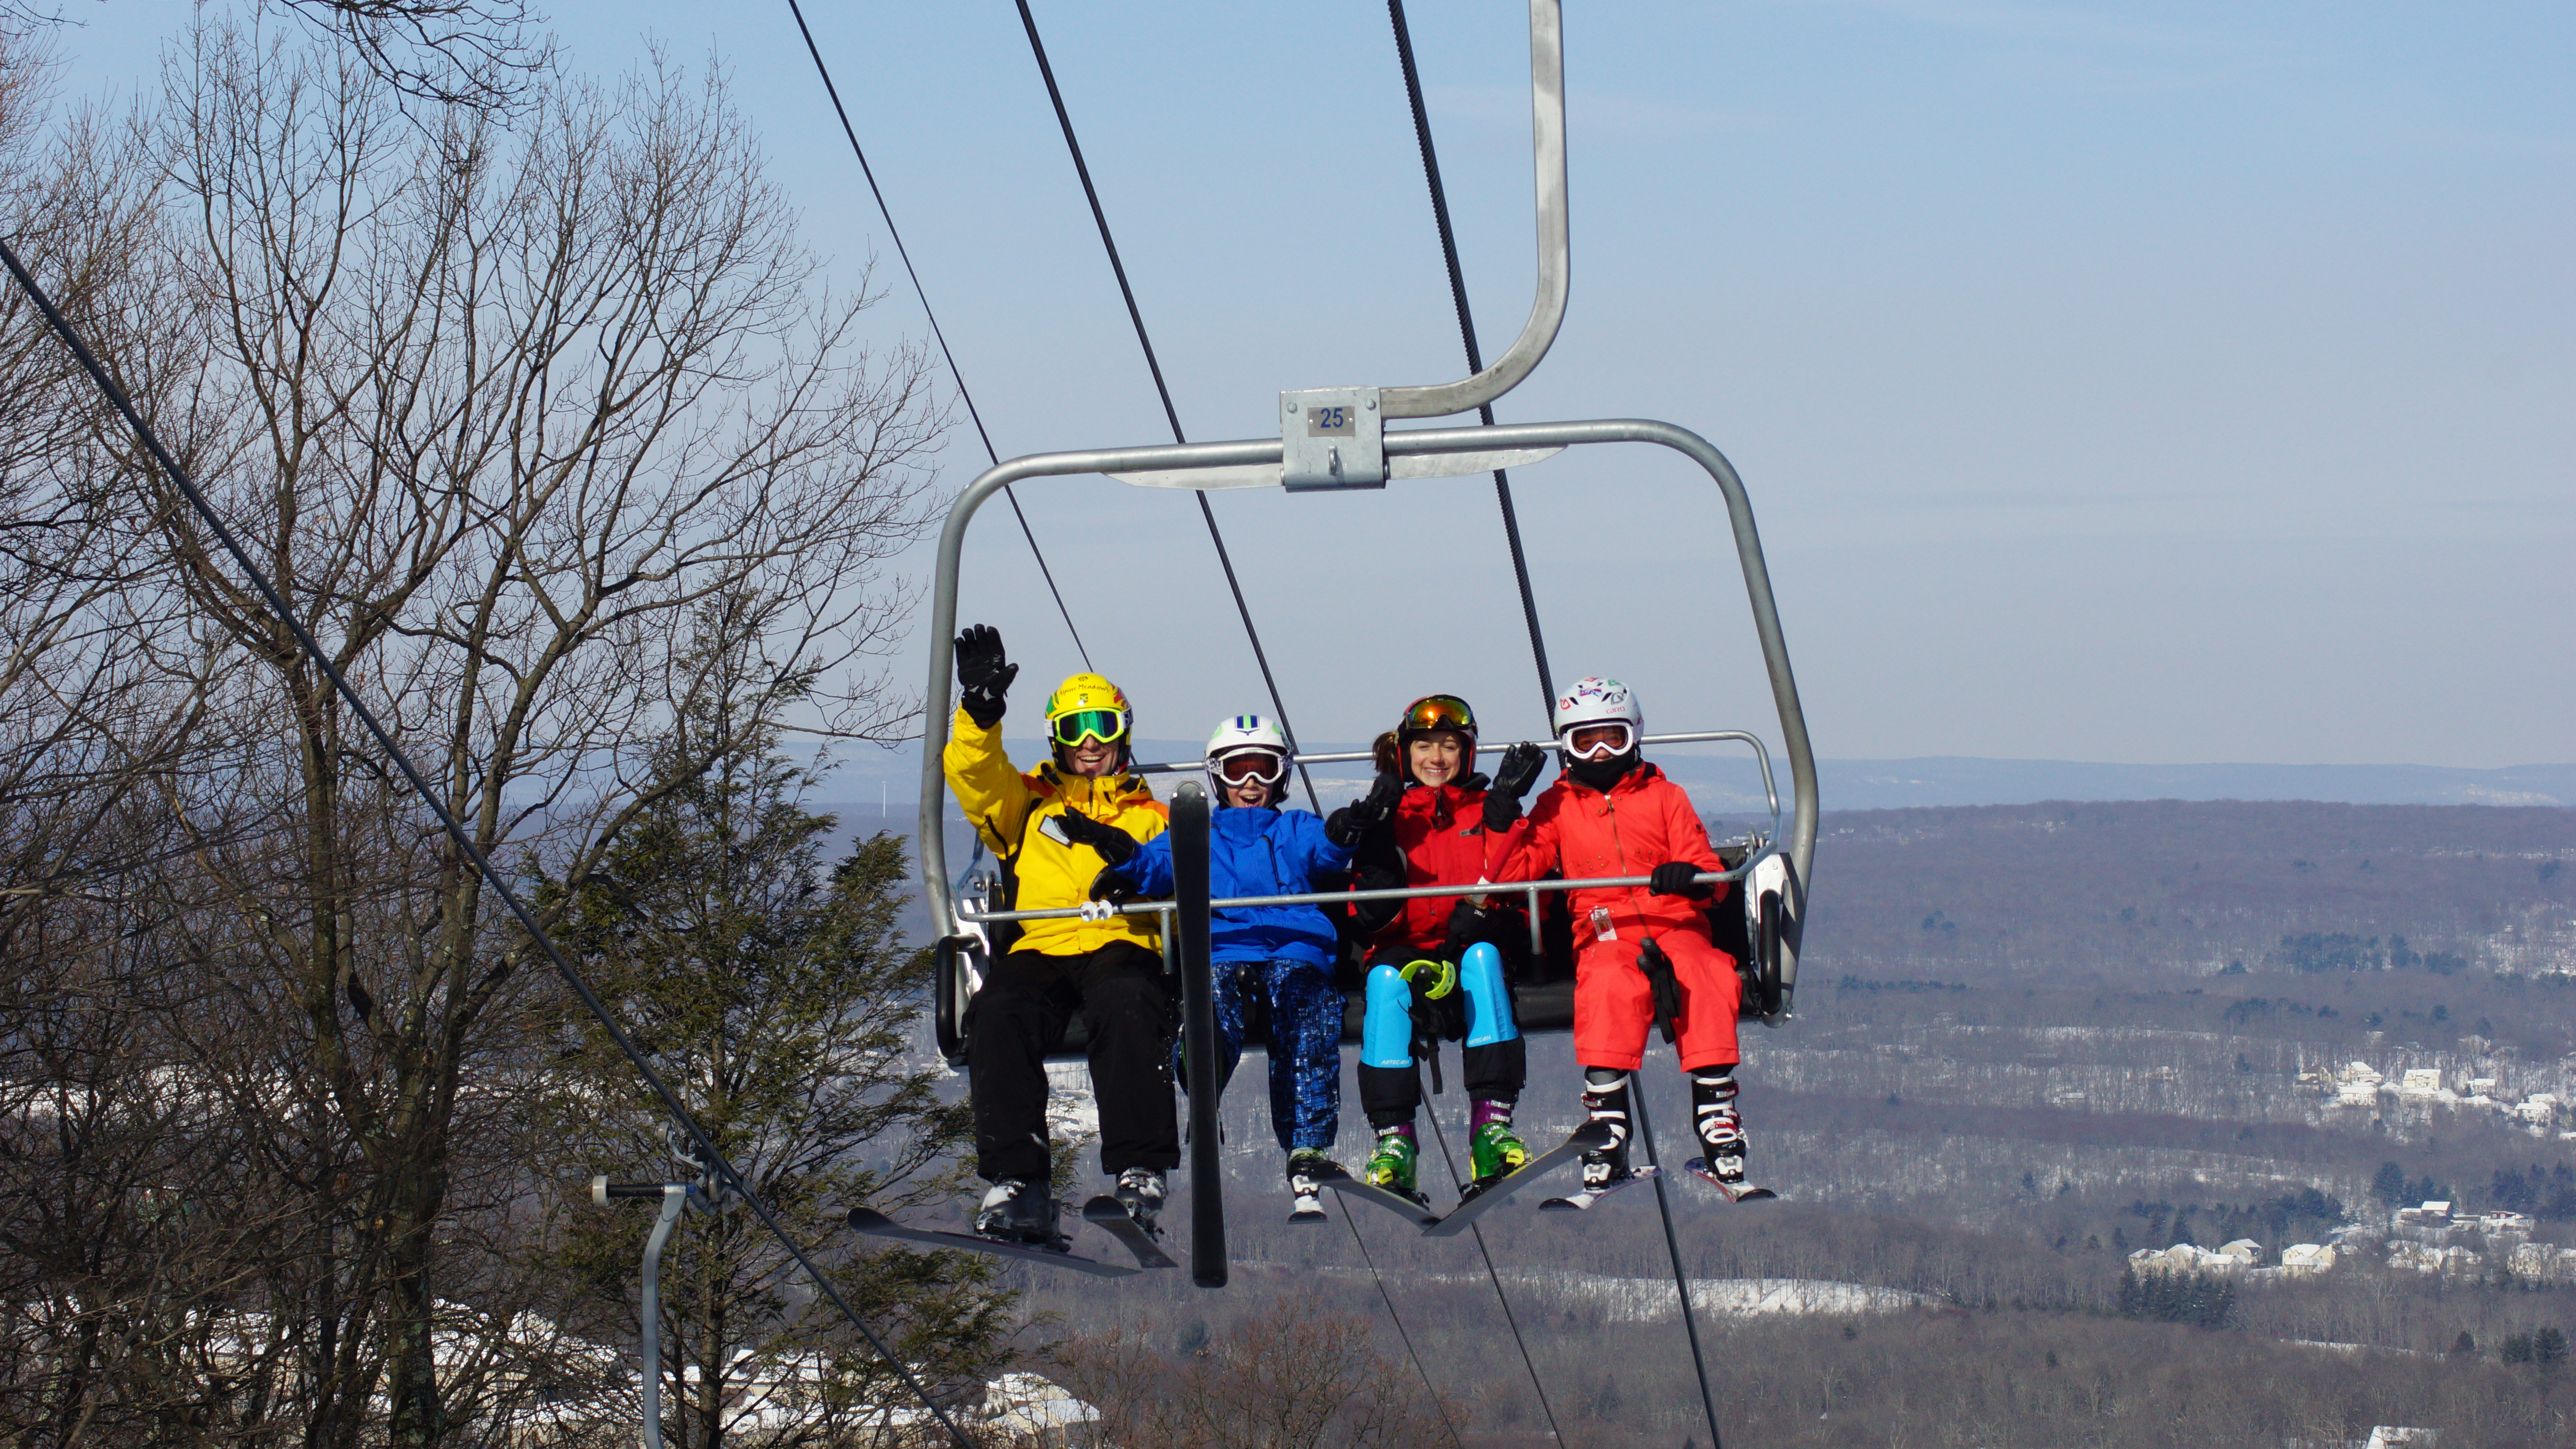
[1460, 853]
[1643, 822]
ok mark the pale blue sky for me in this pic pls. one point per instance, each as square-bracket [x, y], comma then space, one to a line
[2173, 383]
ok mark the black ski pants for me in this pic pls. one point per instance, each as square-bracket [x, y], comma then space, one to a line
[1020, 1015]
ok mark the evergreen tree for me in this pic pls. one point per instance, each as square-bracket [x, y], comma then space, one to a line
[779, 1001]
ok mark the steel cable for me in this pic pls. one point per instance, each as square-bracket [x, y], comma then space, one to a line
[963, 395]
[1371, 1259]
[277, 605]
[1673, 1245]
[1508, 1316]
[1467, 334]
[1099, 217]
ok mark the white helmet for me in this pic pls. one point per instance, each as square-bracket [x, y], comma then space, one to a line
[1247, 735]
[1593, 700]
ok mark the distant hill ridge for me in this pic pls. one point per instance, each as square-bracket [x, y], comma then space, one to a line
[1729, 782]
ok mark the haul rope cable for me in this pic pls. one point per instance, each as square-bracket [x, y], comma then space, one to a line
[1546, 684]
[1673, 1245]
[1082, 169]
[963, 395]
[1398, 1319]
[1467, 334]
[1478, 1229]
[572, 978]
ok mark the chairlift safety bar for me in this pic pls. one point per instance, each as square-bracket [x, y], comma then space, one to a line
[1530, 888]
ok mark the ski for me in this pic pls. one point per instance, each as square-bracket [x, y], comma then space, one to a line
[1735, 1191]
[1590, 1137]
[877, 1225]
[1111, 1215]
[1410, 1209]
[1584, 1200]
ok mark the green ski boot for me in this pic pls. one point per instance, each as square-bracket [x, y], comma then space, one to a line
[1495, 1151]
[1391, 1167]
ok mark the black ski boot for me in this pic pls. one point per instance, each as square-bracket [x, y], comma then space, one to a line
[1140, 1192]
[1018, 1210]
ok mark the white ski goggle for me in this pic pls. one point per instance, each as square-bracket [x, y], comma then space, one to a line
[1252, 767]
[1605, 741]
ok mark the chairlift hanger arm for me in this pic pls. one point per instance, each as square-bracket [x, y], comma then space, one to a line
[1547, 310]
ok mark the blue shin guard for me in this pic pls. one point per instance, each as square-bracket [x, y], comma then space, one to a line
[1386, 1026]
[1489, 1001]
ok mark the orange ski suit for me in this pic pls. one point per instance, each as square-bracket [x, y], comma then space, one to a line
[1643, 822]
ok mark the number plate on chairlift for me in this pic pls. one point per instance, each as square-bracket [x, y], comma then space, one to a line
[1331, 437]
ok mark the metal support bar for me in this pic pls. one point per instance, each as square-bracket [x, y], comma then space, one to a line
[1673, 1244]
[1198, 1027]
[675, 1197]
[1555, 272]
[1799, 847]
[1326, 898]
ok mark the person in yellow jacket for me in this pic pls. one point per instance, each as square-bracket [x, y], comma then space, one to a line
[1044, 826]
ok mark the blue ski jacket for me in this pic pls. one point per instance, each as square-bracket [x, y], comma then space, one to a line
[1263, 852]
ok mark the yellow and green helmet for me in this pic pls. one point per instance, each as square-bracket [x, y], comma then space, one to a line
[1088, 707]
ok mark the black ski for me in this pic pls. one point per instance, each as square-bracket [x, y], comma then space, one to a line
[1111, 1215]
[1584, 1200]
[1735, 1191]
[1590, 1137]
[877, 1225]
[1412, 1210]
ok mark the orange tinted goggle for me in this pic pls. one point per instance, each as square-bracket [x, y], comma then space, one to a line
[1439, 712]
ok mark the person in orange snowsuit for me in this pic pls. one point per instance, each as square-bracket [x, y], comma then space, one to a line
[1644, 954]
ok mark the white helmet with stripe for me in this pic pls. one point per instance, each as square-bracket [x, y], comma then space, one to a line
[1253, 739]
[1592, 701]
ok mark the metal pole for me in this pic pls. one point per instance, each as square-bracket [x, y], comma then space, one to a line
[1198, 1017]
[675, 1196]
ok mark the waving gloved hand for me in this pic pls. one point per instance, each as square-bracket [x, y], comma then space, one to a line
[1352, 823]
[984, 674]
[1512, 780]
[1115, 845]
[1674, 878]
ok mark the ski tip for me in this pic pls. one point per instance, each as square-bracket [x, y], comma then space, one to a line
[1591, 1136]
[1308, 1216]
[1101, 1208]
[1735, 1192]
[868, 1220]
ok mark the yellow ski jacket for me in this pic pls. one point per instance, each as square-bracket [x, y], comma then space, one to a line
[1009, 809]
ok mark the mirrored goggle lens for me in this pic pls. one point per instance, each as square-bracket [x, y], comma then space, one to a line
[1440, 712]
[1599, 741]
[1254, 767]
[1107, 726]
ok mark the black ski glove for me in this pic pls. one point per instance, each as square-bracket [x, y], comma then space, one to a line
[1115, 845]
[1512, 780]
[1668, 991]
[1112, 887]
[984, 674]
[1468, 924]
[1674, 878]
[1352, 823]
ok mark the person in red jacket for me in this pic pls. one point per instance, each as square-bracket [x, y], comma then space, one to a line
[1644, 953]
[1424, 825]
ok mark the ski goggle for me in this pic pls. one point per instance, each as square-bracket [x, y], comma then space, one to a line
[1253, 767]
[1438, 712]
[1604, 741]
[1085, 726]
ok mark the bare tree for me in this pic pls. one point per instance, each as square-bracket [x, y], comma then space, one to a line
[451, 52]
[508, 416]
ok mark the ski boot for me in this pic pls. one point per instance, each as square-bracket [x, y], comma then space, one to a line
[1495, 1151]
[1307, 1169]
[1605, 1098]
[1391, 1166]
[1018, 1210]
[1720, 1128]
[1140, 1192]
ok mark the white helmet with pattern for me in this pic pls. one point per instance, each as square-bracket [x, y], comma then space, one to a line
[1592, 702]
[1258, 748]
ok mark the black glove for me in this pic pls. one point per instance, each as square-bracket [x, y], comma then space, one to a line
[1674, 878]
[1112, 887]
[1115, 845]
[1352, 823]
[1467, 925]
[1512, 780]
[1668, 991]
[984, 675]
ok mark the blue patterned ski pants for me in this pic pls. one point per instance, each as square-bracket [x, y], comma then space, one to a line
[1305, 1044]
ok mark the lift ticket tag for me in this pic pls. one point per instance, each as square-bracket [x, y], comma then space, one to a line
[1602, 930]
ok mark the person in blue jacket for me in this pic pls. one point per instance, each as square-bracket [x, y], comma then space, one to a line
[1281, 955]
